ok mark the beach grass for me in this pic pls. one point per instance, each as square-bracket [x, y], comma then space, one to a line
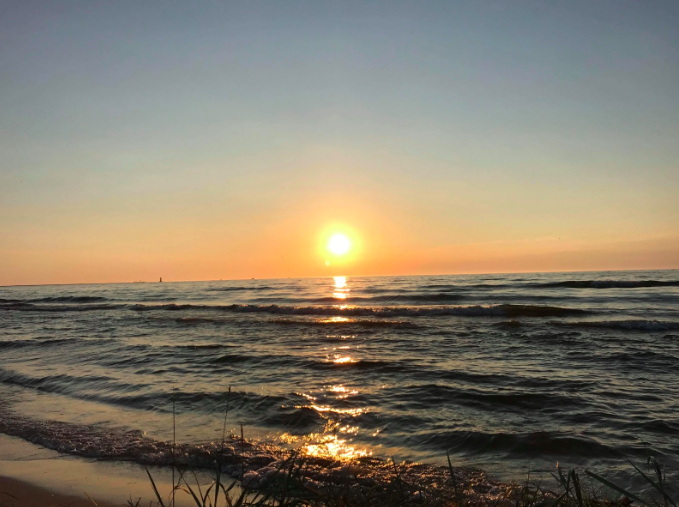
[290, 486]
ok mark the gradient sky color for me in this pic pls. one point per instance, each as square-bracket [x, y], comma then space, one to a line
[208, 140]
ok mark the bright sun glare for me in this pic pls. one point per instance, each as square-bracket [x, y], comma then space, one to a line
[339, 244]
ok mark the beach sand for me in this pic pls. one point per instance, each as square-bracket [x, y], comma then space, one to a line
[15, 493]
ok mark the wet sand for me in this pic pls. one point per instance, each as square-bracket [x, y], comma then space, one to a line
[15, 493]
[36, 476]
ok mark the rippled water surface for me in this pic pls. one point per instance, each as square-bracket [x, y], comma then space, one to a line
[507, 372]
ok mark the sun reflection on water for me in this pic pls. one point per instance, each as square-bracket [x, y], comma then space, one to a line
[338, 359]
[343, 392]
[334, 442]
[341, 290]
[336, 439]
[336, 447]
[326, 408]
[337, 320]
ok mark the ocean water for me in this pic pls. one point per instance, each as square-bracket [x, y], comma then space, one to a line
[508, 373]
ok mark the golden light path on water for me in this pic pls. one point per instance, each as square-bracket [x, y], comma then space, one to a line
[341, 289]
[335, 441]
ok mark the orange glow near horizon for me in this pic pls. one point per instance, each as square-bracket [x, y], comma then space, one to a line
[294, 245]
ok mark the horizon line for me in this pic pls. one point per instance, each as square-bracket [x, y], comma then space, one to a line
[349, 276]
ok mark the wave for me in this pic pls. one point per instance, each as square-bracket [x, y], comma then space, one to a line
[107, 390]
[537, 443]
[69, 299]
[428, 395]
[93, 441]
[206, 346]
[56, 299]
[503, 310]
[255, 463]
[299, 419]
[624, 325]
[509, 324]
[233, 358]
[15, 344]
[610, 284]
[395, 298]
[451, 287]
[570, 284]
[200, 321]
[348, 322]
[61, 384]
[4, 301]
[237, 289]
[30, 307]
[363, 364]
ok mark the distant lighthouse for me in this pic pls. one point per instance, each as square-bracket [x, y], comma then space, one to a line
[161, 280]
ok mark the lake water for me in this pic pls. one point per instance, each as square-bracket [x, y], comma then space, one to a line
[506, 372]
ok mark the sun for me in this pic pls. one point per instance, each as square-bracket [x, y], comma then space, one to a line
[339, 244]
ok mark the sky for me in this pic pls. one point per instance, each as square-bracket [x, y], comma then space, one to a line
[220, 140]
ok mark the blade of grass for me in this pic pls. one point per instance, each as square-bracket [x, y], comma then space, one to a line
[221, 452]
[558, 500]
[565, 481]
[200, 490]
[226, 492]
[174, 439]
[190, 489]
[398, 480]
[90, 498]
[452, 476]
[667, 497]
[207, 493]
[576, 487]
[617, 488]
[155, 489]
[658, 470]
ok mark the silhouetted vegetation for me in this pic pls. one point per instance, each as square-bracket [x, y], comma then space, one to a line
[290, 485]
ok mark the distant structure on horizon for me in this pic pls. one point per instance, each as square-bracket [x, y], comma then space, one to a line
[161, 280]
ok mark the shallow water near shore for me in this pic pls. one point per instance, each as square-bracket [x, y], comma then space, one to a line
[507, 372]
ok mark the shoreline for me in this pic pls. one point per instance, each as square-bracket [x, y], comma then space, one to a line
[42, 477]
[34, 476]
[31, 471]
[325, 275]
